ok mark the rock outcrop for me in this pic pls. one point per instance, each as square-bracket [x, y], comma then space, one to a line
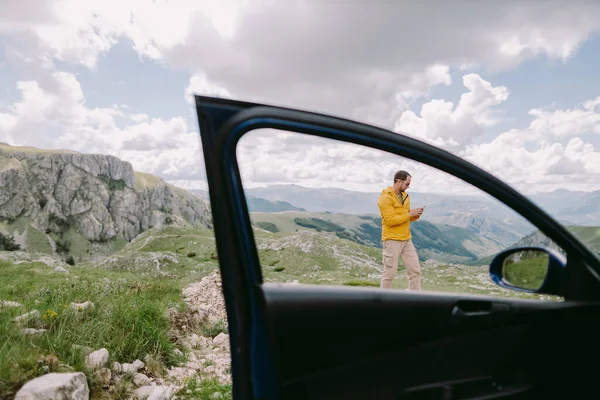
[100, 196]
[51, 386]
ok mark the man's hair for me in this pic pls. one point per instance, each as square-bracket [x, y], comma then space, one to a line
[401, 175]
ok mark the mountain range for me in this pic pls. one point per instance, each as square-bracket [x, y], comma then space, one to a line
[90, 205]
[481, 214]
[570, 207]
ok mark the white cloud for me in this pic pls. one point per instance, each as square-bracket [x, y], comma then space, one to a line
[268, 157]
[564, 123]
[201, 86]
[539, 157]
[346, 58]
[421, 83]
[548, 154]
[57, 117]
[355, 59]
[442, 124]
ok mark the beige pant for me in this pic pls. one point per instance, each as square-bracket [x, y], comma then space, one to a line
[392, 251]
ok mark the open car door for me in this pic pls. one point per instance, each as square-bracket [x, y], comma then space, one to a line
[342, 342]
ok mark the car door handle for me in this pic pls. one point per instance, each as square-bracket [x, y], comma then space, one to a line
[473, 308]
[474, 388]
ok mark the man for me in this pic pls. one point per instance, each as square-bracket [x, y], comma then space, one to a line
[396, 216]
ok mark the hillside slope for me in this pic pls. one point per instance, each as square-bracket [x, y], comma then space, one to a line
[588, 235]
[305, 256]
[440, 242]
[481, 214]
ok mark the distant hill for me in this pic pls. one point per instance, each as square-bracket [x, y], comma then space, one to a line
[571, 207]
[256, 204]
[440, 242]
[482, 215]
[588, 235]
[580, 208]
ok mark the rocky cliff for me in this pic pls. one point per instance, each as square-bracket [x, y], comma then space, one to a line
[100, 196]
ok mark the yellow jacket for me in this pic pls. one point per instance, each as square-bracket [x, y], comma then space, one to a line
[395, 222]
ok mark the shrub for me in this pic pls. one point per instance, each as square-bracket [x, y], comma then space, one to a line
[63, 246]
[213, 329]
[7, 243]
[319, 224]
[268, 226]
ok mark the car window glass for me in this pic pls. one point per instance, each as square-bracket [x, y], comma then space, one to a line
[313, 205]
[578, 211]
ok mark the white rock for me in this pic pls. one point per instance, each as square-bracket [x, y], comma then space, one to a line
[222, 339]
[82, 306]
[162, 393]
[30, 315]
[180, 373]
[60, 269]
[193, 365]
[56, 386]
[115, 379]
[127, 368]
[32, 331]
[8, 303]
[194, 340]
[97, 359]
[116, 367]
[143, 392]
[140, 380]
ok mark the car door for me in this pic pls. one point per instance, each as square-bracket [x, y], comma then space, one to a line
[327, 342]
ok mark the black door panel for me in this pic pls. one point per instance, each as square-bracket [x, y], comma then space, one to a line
[339, 343]
[323, 342]
[316, 328]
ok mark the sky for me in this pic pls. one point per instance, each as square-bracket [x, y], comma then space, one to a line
[510, 86]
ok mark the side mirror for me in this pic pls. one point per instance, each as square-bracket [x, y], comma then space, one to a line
[529, 269]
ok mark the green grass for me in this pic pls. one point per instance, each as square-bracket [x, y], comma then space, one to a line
[589, 235]
[204, 389]
[26, 149]
[133, 288]
[322, 258]
[82, 249]
[37, 240]
[361, 282]
[213, 329]
[144, 180]
[315, 257]
[128, 318]
[177, 241]
[527, 273]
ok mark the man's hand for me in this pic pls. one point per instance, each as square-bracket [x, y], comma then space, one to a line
[415, 212]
